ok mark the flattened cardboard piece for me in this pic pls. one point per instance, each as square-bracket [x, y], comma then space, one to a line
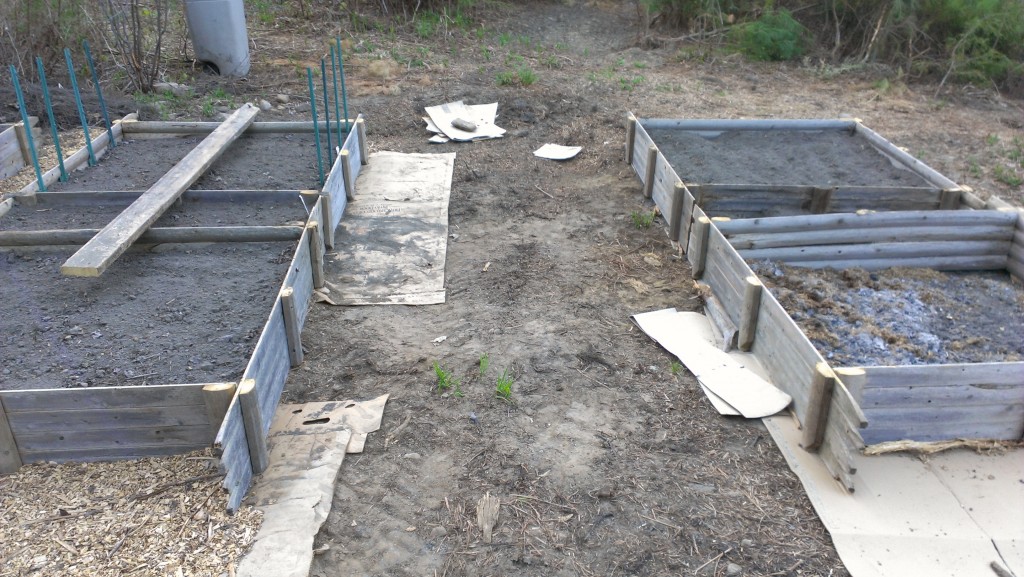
[948, 515]
[482, 115]
[391, 247]
[682, 335]
[557, 151]
[307, 446]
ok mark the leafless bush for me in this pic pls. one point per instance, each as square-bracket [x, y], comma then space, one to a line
[137, 29]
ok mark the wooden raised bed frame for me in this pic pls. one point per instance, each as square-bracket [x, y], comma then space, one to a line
[941, 226]
[103, 423]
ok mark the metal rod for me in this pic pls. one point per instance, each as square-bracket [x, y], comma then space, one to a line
[327, 113]
[316, 125]
[28, 128]
[337, 112]
[99, 93]
[81, 109]
[53, 122]
[344, 98]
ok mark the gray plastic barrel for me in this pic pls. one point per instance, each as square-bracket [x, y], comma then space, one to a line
[219, 37]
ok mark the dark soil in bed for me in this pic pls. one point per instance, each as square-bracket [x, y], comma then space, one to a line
[827, 158]
[902, 316]
[164, 314]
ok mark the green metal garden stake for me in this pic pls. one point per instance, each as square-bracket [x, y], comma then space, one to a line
[81, 109]
[316, 125]
[28, 128]
[53, 121]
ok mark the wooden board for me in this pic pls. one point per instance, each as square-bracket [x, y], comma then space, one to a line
[126, 197]
[74, 421]
[873, 235]
[94, 258]
[900, 156]
[985, 262]
[121, 437]
[880, 250]
[233, 449]
[119, 453]
[721, 125]
[943, 375]
[182, 234]
[942, 396]
[142, 127]
[10, 459]
[849, 221]
[1004, 422]
[45, 400]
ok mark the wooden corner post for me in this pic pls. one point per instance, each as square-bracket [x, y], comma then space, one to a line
[364, 147]
[652, 164]
[10, 459]
[748, 315]
[822, 383]
[630, 137]
[217, 397]
[291, 326]
[346, 174]
[676, 218]
[699, 250]
[252, 420]
[316, 254]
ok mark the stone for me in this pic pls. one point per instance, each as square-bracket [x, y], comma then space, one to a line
[733, 569]
[438, 532]
[265, 106]
[282, 98]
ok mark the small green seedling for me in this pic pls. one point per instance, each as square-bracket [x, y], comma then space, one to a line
[485, 361]
[643, 219]
[503, 388]
[675, 367]
[447, 381]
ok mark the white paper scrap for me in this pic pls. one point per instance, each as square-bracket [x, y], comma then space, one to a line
[557, 151]
[483, 115]
[716, 370]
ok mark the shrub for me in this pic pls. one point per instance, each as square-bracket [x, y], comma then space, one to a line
[773, 36]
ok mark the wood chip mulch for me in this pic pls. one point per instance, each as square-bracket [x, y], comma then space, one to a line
[150, 517]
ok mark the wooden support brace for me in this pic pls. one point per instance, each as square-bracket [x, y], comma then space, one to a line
[630, 137]
[701, 229]
[652, 163]
[364, 146]
[820, 398]
[19, 130]
[316, 254]
[346, 173]
[177, 234]
[291, 326]
[748, 315]
[115, 238]
[10, 459]
[949, 199]
[252, 420]
[325, 209]
[684, 232]
[821, 198]
[676, 218]
[217, 397]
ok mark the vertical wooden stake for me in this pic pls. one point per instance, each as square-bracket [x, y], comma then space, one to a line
[364, 147]
[252, 420]
[291, 326]
[23, 140]
[699, 254]
[853, 379]
[684, 231]
[316, 254]
[818, 403]
[325, 209]
[217, 397]
[820, 200]
[10, 459]
[652, 164]
[748, 315]
[949, 199]
[346, 173]
[630, 137]
[676, 218]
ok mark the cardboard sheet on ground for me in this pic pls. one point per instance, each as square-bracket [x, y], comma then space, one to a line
[557, 151]
[307, 445]
[685, 335]
[948, 515]
[392, 243]
[482, 115]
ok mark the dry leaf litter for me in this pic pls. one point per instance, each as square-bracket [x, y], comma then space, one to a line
[150, 517]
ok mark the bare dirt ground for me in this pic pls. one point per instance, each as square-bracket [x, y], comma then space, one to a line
[607, 460]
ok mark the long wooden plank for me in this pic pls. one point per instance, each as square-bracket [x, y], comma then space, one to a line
[188, 128]
[929, 424]
[984, 262]
[156, 235]
[846, 221]
[102, 398]
[73, 421]
[126, 197]
[109, 453]
[718, 125]
[94, 258]
[943, 375]
[942, 396]
[887, 250]
[189, 435]
[901, 156]
[901, 234]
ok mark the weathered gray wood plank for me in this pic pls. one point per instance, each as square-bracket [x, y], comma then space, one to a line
[109, 454]
[102, 398]
[126, 197]
[1011, 373]
[160, 235]
[942, 396]
[869, 235]
[984, 262]
[846, 221]
[10, 459]
[120, 437]
[880, 250]
[94, 258]
[74, 421]
[184, 127]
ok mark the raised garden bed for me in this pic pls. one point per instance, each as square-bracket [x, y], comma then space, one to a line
[199, 319]
[846, 227]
